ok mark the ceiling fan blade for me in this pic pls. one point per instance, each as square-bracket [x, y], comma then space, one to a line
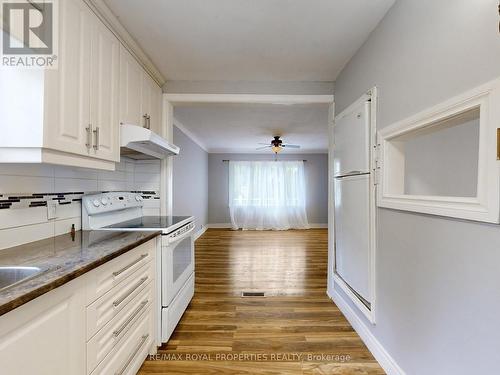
[263, 147]
[260, 143]
[290, 146]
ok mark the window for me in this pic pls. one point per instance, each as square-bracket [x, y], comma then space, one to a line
[267, 195]
[444, 161]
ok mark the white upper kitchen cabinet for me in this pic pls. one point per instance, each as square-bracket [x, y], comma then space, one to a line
[130, 89]
[66, 124]
[151, 103]
[146, 97]
[156, 109]
[67, 115]
[105, 85]
[140, 96]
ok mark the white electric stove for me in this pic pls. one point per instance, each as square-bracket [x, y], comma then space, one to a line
[124, 211]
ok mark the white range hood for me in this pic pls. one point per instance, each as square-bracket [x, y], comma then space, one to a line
[141, 143]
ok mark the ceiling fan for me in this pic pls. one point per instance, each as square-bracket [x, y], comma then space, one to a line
[276, 145]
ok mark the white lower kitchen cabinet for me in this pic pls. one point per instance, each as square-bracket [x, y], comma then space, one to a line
[120, 315]
[127, 357]
[103, 322]
[47, 335]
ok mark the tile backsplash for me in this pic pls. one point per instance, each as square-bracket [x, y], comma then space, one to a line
[27, 189]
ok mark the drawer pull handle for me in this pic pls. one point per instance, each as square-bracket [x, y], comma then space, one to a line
[117, 302]
[131, 317]
[117, 273]
[141, 343]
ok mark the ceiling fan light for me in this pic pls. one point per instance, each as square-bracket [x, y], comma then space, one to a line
[276, 149]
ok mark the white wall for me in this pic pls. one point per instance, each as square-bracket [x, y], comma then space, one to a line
[190, 180]
[444, 162]
[437, 278]
[316, 169]
[21, 224]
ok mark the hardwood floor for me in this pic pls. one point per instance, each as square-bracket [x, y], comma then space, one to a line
[295, 329]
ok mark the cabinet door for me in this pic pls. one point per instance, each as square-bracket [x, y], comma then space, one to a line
[67, 92]
[146, 98]
[151, 103]
[104, 104]
[46, 336]
[130, 89]
[156, 108]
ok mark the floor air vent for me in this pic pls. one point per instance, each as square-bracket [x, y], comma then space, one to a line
[253, 294]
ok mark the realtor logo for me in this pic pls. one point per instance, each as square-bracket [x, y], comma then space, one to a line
[29, 34]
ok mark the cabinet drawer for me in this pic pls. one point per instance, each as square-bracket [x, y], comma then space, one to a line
[117, 329]
[172, 314]
[110, 274]
[110, 304]
[127, 356]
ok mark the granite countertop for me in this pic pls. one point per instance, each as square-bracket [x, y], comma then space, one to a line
[64, 258]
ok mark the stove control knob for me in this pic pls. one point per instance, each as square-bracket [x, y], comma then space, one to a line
[96, 203]
[138, 198]
[104, 201]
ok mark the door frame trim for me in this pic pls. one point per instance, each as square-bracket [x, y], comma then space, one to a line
[173, 99]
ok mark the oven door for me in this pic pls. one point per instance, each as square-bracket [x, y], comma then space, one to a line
[177, 265]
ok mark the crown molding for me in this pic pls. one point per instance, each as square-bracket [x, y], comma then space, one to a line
[105, 14]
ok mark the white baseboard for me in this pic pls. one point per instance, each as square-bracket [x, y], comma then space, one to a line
[200, 232]
[228, 225]
[219, 225]
[381, 355]
[318, 225]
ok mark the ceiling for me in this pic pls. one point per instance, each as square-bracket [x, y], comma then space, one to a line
[257, 40]
[229, 128]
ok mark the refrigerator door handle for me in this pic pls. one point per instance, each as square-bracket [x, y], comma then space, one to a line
[352, 173]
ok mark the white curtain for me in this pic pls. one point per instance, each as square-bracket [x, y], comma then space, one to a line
[267, 195]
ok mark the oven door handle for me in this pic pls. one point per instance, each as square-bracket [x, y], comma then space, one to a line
[181, 236]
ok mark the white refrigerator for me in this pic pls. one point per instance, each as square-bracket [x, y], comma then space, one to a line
[352, 199]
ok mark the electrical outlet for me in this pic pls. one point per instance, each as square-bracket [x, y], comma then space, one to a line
[51, 210]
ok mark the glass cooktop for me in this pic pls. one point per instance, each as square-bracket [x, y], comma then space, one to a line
[151, 222]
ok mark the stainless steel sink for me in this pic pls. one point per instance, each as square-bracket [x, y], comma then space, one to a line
[10, 276]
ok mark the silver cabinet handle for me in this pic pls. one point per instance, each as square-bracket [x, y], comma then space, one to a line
[129, 360]
[96, 133]
[131, 317]
[149, 121]
[117, 302]
[119, 272]
[88, 129]
[146, 123]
